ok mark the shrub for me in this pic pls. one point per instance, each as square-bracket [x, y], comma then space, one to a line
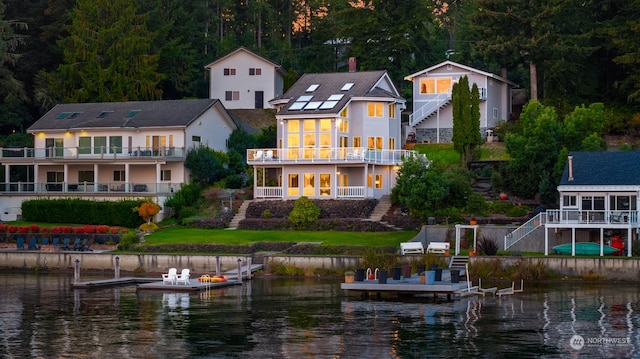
[127, 241]
[266, 214]
[487, 246]
[304, 211]
[517, 212]
[34, 228]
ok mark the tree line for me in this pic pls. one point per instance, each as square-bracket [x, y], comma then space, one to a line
[563, 52]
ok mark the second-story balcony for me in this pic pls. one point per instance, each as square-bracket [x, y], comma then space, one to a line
[88, 188]
[327, 155]
[597, 218]
[18, 154]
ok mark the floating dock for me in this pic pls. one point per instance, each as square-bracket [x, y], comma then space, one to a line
[409, 286]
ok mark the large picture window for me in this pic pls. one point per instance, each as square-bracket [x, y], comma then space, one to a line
[374, 109]
[294, 189]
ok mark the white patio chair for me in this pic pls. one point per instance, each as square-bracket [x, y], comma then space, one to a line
[258, 155]
[183, 278]
[170, 278]
[268, 155]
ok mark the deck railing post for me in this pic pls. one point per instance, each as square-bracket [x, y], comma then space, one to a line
[239, 270]
[117, 274]
[76, 272]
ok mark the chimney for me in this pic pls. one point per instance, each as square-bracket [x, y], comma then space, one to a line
[570, 161]
[503, 73]
[352, 64]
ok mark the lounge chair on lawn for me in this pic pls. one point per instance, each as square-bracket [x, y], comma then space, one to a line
[170, 278]
[66, 244]
[77, 246]
[85, 245]
[20, 243]
[183, 278]
[33, 243]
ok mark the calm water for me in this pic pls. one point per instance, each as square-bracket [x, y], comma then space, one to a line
[42, 317]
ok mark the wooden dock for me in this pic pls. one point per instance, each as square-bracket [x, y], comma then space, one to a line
[409, 286]
[156, 283]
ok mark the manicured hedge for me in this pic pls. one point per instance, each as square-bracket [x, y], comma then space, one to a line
[75, 210]
[322, 224]
[329, 208]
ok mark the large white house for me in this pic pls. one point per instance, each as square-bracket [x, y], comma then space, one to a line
[339, 136]
[111, 150]
[432, 117]
[243, 79]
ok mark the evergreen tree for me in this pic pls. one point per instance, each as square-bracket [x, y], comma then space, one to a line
[466, 119]
[107, 55]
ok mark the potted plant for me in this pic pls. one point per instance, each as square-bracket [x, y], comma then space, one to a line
[349, 276]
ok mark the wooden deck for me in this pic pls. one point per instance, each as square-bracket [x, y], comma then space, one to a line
[409, 286]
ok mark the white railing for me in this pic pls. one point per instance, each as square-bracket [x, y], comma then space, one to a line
[431, 106]
[267, 192]
[351, 192]
[578, 217]
[522, 231]
[80, 188]
[327, 155]
[109, 153]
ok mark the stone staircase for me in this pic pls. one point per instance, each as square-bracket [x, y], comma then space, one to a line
[482, 186]
[242, 211]
[383, 206]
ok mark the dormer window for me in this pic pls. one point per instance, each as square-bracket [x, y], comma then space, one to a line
[312, 87]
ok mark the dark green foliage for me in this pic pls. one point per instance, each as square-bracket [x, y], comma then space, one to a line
[487, 246]
[205, 164]
[466, 120]
[304, 211]
[476, 205]
[128, 241]
[74, 210]
[188, 195]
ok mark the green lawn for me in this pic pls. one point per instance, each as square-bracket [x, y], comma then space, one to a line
[181, 235]
[443, 154]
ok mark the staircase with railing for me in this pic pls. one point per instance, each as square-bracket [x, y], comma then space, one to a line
[524, 230]
[429, 108]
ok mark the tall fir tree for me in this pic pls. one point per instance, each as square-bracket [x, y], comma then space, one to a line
[107, 55]
[466, 119]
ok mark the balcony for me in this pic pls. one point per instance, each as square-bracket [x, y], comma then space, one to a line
[88, 188]
[326, 155]
[20, 154]
[598, 218]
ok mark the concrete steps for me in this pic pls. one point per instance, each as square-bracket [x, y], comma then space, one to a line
[242, 211]
[383, 206]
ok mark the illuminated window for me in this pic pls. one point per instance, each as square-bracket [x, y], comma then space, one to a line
[374, 109]
[369, 180]
[392, 143]
[344, 112]
[325, 125]
[357, 142]
[293, 126]
[378, 182]
[374, 143]
[293, 189]
[325, 184]
[427, 86]
[392, 110]
[343, 126]
[309, 184]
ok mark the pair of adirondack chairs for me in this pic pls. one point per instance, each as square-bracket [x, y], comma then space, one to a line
[172, 277]
[78, 244]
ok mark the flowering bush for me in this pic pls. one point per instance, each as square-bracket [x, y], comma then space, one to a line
[34, 228]
[67, 230]
[23, 229]
[3, 227]
[45, 230]
[12, 229]
[102, 229]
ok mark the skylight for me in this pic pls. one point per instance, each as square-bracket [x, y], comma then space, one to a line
[132, 113]
[75, 114]
[327, 105]
[61, 116]
[337, 97]
[103, 114]
[305, 98]
[297, 106]
[312, 87]
[313, 105]
[347, 86]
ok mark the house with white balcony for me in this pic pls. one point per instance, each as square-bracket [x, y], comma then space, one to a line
[108, 151]
[432, 117]
[245, 80]
[599, 194]
[339, 136]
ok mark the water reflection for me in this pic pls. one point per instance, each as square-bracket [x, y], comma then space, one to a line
[41, 316]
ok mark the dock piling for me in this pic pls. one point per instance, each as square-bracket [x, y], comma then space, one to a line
[217, 265]
[76, 272]
[249, 267]
[239, 270]
[117, 270]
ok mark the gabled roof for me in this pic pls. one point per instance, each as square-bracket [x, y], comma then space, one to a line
[245, 50]
[328, 93]
[134, 114]
[620, 168]
[467, 68]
